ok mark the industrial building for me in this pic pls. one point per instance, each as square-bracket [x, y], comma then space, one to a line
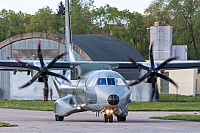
[86, 48]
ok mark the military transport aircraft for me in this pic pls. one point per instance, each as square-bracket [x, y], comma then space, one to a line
[93, 86]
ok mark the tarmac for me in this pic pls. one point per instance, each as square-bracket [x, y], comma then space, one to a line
[87, 122]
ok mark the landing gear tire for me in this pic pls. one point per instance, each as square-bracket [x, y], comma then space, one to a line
[108, 118]
[59, 118]
[111, 118]
[105, 118]
[121, 118]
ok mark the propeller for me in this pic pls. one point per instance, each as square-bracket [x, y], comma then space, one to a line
[43, 71]
[152, 72]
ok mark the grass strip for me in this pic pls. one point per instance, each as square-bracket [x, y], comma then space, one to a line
[185, 117]
[3, 124]
[27, 105]
[164, 106]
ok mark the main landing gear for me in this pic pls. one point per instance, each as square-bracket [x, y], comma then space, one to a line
[108, 118]
[121, 118]
[59, 118]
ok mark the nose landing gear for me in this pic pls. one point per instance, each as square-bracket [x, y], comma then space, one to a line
[108, 116]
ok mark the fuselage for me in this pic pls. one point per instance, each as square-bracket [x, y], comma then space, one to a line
[96, 91]
[101, 89]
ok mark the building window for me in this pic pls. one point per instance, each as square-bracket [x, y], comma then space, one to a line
[30, 53]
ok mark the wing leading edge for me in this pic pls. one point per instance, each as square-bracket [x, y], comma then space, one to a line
[11, 65]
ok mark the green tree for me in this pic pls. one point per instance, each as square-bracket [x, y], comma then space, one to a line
[130, 27]
[81, 17]
[12, 23]
[43, 21]
[184, 14]
[61, 9]
[106, 18]
[138, 33]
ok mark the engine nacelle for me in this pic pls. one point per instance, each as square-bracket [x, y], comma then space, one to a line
[65, 106]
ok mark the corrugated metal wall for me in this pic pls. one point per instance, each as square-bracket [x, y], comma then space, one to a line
[5, 76]
[33, 44]
[5, 54]
[4, 85]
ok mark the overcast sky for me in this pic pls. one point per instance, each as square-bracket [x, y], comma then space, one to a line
[32, 6]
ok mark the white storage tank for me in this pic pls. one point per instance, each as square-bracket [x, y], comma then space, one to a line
[162, 37]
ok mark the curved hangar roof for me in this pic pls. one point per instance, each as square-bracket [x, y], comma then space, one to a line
[90, 47]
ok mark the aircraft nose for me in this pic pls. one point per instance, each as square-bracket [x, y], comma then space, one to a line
[113, 99]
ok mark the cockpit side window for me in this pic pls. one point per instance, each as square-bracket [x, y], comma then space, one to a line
[101, 81]
[119, 81]
[111, 81]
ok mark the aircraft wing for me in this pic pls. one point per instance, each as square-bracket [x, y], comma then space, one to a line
[180, 65]
[11, 65]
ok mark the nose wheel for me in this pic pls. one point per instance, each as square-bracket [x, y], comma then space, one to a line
[108, 118]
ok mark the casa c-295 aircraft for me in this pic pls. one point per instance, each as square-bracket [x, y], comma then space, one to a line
[97, 87]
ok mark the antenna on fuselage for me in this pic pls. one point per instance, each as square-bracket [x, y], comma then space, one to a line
[68, 33]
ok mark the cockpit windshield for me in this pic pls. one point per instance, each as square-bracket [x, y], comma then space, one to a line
[101, 81]
[110, 81]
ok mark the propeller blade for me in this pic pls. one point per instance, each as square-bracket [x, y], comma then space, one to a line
[55, 59]
[45, 81]
[153, 83]
[27, 65]
[137, 64]
[40, 54]
[167, 79]
[46, 88]
[59, 76]
[166, 61]
[140, 79]
[31, 81]
[151, 54]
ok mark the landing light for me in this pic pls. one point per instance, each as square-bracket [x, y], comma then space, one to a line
[109, 111]
[78, 108]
